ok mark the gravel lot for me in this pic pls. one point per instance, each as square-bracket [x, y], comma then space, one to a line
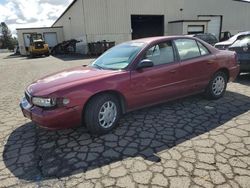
[190, 142]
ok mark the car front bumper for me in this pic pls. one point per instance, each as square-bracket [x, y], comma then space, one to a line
[60, 118]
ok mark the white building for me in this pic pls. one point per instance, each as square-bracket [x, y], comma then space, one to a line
[122, 20]
[51, 35]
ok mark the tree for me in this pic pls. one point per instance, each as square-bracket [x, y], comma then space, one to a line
[6, 39]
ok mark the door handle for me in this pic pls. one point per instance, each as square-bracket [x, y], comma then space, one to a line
[173, 71]
[211, 61]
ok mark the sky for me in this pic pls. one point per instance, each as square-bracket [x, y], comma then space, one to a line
[31, 13]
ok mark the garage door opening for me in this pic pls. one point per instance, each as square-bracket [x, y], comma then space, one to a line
[195, 29]
[147, 26]
[51, 39]
[214, 25]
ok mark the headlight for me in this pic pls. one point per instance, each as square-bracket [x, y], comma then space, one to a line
[44, 102]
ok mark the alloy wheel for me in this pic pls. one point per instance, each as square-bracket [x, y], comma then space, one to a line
[107, 114]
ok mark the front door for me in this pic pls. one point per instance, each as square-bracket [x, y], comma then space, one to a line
[158, 83]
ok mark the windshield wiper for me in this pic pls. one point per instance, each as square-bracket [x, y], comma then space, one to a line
[98, 66]
[104, 68]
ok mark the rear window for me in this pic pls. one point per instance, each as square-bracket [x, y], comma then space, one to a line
[187, 48]
[203, 49]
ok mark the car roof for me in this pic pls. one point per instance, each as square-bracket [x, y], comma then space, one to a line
[155, 39]
[245, 32]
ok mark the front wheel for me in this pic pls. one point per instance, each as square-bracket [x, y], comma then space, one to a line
[102, 114]
[217, 86]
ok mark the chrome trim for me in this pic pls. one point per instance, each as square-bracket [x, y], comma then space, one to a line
[28, 97]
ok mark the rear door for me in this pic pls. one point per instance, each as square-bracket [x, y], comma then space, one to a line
[196, 64]
[158, 83]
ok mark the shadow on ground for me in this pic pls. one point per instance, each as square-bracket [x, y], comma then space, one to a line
[72, 57]
[12, 56]
[23, 57]
[244, 79]
[35, 154]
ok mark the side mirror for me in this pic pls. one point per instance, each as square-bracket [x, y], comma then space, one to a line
[145, 63]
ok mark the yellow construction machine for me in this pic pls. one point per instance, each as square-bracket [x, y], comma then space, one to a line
[37, 46]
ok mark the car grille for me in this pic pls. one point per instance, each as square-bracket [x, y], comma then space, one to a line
[220, 47]
[28, 97]
[39, 45]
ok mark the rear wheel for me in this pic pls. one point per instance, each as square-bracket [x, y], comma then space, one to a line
[102, 114]
[217, 86]
[32, 55]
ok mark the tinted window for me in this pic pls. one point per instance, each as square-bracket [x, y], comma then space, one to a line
[161, 53]
[187, 48]
[203, 49]
[207, 38]
[212, 39]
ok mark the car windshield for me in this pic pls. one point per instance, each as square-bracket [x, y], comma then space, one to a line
[244, 41]
[118, 57]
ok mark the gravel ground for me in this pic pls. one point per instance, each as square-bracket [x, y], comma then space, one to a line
[190, 142]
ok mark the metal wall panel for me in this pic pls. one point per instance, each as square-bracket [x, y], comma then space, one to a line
[95, 20]
[73, 22]
[235, 14]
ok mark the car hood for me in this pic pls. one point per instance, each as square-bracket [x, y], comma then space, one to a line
[66, 78]
[224, 43]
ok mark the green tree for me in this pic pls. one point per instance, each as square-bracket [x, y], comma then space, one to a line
[6, 39]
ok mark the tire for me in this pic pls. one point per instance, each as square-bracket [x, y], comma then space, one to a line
[217, 86]
[95, 116]
[32, 55]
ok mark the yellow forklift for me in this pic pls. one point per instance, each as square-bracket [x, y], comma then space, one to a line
[37, 46]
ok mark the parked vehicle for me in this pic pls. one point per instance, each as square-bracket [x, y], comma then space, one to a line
[225, 36]
[38, 47]
[129, 76]
[66, 47]
[225, 44]
[242, 48]
[207, 37]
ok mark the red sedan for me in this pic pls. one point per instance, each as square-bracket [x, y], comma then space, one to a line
[129, 76]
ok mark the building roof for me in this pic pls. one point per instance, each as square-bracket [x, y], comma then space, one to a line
[177, 21]
[245, 1]
[38, 28]
[64, 12]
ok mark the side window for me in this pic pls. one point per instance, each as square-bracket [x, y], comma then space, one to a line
[187, 48]
[161, 53]
[153, 52]
[203, 49]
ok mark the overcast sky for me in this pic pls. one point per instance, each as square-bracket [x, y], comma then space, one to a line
[31, 13]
